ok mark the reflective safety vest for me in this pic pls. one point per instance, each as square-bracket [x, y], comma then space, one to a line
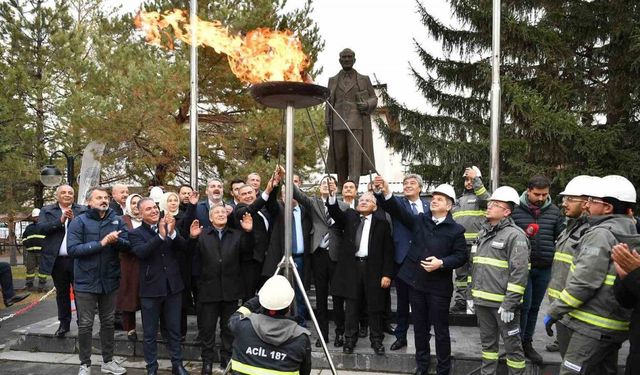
[566, 246]
[31, 238]
[500, 259]
[587, 303]
[470, 210]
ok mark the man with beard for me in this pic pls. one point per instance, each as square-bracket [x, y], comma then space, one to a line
[53, 223]
[536, 208]
[215, 191]
[95, 238]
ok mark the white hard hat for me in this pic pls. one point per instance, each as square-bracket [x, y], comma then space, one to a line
[506, 194]
[156, 194]
[578, 186]
[276, 293]
[475, 169]
[35, 212]
[446, 189]
[619, 188]
[594, 187]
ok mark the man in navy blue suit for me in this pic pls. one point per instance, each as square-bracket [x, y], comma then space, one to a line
[156, 243]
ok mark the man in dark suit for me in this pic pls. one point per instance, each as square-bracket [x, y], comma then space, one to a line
[402, 238]
[156, 242]
[352, 96]
[55, 259]
[323, 255]
[235, 185]
[260, 209]
[221, 249]
[215, 192]
[437, 248]
[119, 194]
[301, 243]
[365, 266]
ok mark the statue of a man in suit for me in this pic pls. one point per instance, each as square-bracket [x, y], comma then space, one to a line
[353, 98]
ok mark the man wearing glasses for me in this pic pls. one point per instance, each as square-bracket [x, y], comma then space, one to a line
[575, 199]
[597, 324]
[499, 275]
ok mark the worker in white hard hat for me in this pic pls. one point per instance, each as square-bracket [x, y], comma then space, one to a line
[597, 323]
[575, 199]
[266, 341]
[499, 274]
[437, 248]
[32, 244]
[469, 211]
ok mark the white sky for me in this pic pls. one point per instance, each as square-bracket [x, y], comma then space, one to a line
[381, 35]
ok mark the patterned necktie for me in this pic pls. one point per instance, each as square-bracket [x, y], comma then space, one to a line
[325, 239]
[154, 227]
[414, 208]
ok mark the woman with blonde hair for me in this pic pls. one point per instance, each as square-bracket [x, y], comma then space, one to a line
[128, 301]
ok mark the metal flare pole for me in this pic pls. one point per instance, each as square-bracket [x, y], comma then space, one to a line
[495, 97]
[193, 111]
[288, 183]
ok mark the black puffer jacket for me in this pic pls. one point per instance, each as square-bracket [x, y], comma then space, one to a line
[551, 223]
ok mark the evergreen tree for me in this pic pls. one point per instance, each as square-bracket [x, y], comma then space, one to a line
[567, 100]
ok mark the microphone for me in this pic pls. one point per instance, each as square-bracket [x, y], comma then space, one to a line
[532, 229]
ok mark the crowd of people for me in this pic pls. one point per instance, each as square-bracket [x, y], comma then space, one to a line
[494, 254]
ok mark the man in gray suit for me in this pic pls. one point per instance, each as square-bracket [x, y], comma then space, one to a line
[352, 96]
[324, 248]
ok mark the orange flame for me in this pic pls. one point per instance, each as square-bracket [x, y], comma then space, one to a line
[261, 55]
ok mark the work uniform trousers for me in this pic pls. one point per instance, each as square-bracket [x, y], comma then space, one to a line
[170, 308]
[32, 263]
[62, 275]
[209, 313]
[430, 309]
[86, 304]
[491, 326]
[589, 356]
[461, 283]
[353, 310]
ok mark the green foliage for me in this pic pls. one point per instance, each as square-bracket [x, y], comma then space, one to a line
[568, 103]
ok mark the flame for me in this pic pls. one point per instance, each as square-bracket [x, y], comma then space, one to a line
[259, 56]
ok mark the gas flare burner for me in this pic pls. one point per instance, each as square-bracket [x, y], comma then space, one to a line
[283, 94]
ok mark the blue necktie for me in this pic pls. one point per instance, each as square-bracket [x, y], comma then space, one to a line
[414, 209]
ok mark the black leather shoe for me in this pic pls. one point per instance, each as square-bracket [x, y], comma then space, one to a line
[347, 349]
[179, 370]
[398, 344]
[339, 341]
[388, 329]
[378, 348]
[207, 368]
[363, 331]
[16, 298]
[61, 331]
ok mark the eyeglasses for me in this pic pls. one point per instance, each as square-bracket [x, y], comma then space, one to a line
[592, 200]
[570, 199]
[496, 204]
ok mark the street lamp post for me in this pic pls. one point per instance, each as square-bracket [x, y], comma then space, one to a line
[51, 176]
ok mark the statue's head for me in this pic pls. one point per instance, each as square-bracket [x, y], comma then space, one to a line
[347, 58]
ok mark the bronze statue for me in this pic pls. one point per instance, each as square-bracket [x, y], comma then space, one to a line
[353, 98]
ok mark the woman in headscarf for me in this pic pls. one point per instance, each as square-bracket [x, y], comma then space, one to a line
[128, 300]
[170, 203]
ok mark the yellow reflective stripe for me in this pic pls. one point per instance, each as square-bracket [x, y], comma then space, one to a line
[569, 299]
[572, 268]
[470, 235]
[480, 191]
[461, 283]
[253, 370]
[468, 213]
[488, 296]
[609, 280]
[34, 248]
[491, 356]
[563, 257]
[244, 311]
[491, 262]
[515, 288]
[30, 275]
[555, 293]
[34, 236]
[600, 321]
[515, 364]
[469, 279]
